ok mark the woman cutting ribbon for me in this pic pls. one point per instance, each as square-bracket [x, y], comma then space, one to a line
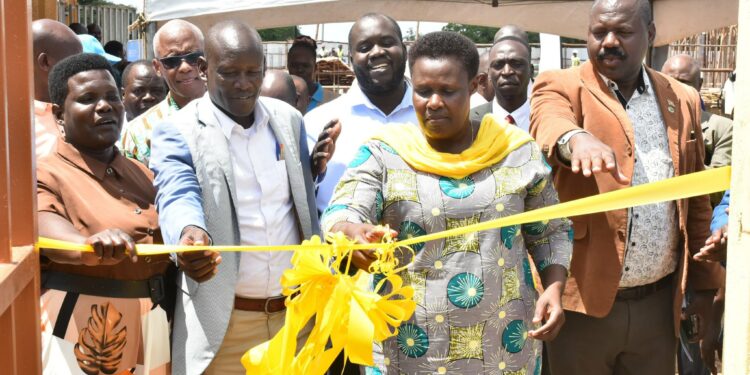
[477, 308]
[103, 311]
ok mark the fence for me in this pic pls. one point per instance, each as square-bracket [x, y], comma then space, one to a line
[716, 51]
[113, 19]
[20, 335]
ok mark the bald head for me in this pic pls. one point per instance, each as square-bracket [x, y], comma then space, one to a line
[53, 41]
[234, 69]
[684, 69]
[511, 31]
[280, 85]
[303, 95]
[642, 7]
[232, 36]
[176, 30]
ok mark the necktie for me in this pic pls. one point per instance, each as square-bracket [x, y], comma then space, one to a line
[510, 119]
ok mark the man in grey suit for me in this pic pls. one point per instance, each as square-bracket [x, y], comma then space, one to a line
[232, 168]
[509, 72]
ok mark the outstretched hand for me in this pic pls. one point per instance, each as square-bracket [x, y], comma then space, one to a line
[591, 156]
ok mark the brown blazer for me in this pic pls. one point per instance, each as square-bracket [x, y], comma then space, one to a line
[577, 98]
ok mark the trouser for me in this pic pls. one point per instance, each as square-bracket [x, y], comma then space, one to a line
[636, 338]
[246, 330]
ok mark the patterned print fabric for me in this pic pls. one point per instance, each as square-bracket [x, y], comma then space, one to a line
[474, 292]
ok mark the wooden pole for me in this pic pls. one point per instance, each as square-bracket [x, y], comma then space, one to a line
[737, 316]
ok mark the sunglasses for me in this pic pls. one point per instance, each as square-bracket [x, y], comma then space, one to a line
[172, 62]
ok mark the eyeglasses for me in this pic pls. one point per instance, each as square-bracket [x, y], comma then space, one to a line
[172, 62]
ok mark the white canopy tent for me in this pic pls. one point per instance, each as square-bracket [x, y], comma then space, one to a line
[675, 19]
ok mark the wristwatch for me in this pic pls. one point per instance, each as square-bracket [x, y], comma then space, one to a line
[563, 144]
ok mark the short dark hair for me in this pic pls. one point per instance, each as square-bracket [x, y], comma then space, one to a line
[517, 39]
[78, 28]
[114, 47]
[305, 42]
[379, 15]
[126, 71]
[70, 66]
[443, 44]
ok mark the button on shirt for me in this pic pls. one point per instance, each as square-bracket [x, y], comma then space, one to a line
[94, 196]
[650, 250]
[265, 212]
[360, 120]
[521, 114]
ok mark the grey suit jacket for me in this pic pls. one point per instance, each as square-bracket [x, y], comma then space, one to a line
[193, 173]
[478, 112]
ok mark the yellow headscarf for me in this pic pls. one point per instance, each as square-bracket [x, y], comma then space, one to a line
[496, 139]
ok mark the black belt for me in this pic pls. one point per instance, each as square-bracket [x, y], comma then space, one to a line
[96, 286]
[160, 289]
[641, 291]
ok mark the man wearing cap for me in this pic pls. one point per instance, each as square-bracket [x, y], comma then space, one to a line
[178, 46]
[53, 41]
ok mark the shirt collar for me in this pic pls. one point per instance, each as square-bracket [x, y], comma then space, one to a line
[358, 98]
[228, 125]
[521, 112]
[317, 96]
[644, 83]
[42, 108]
[90, 165]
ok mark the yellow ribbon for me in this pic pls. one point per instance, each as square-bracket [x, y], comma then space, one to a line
[341, 304]
[687, 186]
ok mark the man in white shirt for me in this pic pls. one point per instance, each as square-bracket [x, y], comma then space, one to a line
[381, 97]
[232, 169]
[509, 72]
[485, 90]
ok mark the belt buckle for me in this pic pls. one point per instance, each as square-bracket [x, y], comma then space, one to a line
[268, 300]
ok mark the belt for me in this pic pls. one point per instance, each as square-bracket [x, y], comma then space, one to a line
[96, 286]
[266, 305]
[641, 291]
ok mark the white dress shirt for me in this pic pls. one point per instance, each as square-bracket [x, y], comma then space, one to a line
[476, 100]
[265, 211]
[520, 115]
[360, 120]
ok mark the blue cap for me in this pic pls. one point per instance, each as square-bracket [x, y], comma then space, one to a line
[92, 45]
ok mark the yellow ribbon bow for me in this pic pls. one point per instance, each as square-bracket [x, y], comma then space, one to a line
[347, 315]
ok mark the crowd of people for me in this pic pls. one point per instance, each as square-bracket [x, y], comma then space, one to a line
[203, 146]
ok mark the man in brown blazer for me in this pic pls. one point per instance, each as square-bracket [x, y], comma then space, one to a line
[606, 125]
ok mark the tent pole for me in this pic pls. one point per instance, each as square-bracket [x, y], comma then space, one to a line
[737, 320]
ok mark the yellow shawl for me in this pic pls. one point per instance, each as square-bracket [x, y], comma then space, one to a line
[495, 139]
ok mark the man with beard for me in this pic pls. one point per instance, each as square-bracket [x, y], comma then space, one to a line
[509, 73]
[381, 97]
[142, 88]
[178, 47]
[604, 126]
